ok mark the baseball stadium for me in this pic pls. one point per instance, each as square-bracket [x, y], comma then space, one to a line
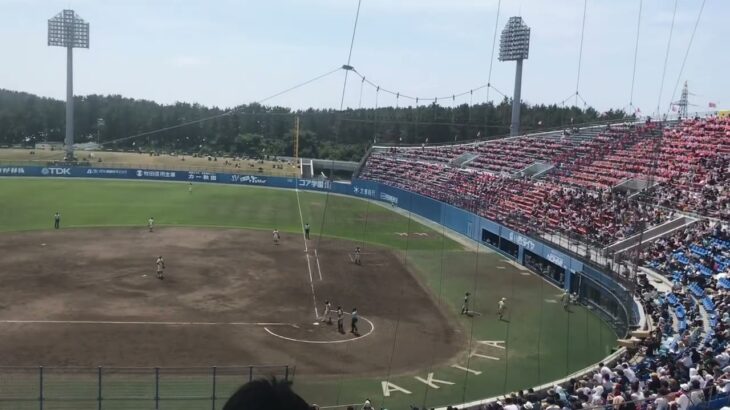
[419, 253]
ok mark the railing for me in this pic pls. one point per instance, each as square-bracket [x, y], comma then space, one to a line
[119, 388]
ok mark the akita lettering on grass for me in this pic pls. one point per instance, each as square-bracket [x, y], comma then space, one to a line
[389, 387]
[430, 381]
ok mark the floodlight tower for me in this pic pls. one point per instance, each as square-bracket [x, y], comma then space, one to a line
[514, 45]
[68, 30]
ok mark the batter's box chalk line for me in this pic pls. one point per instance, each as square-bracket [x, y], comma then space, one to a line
[292, 339]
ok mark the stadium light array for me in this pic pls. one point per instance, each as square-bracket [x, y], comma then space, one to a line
[514, 45]
[67, 29]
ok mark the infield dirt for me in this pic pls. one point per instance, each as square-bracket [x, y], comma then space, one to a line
[90, 297]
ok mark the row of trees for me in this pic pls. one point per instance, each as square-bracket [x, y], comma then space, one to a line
[255, 130]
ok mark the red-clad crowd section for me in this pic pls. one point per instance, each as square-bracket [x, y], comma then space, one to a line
[685, 165]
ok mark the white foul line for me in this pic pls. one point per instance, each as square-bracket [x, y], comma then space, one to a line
[301, 219]
[316, 257]
[311, 284]
[306, 250]
[119, 322]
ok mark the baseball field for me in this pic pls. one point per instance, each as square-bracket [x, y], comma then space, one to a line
[87, 294]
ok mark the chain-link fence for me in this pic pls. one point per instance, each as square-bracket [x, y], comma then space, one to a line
[114, 388]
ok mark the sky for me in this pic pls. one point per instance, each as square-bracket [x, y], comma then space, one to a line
[225, 53]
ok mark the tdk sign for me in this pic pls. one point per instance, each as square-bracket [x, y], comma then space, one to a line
[56, 171]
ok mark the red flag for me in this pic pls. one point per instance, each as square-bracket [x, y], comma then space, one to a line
[713, 105]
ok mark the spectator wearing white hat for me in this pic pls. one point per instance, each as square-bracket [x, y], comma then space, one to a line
[683, 401]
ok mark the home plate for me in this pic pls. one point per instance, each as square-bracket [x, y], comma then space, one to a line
[43, 244]
[500, 267]
[316, 323]
[551, 301]
[523, 273]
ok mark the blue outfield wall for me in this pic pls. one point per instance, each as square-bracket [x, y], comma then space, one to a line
[458, 220]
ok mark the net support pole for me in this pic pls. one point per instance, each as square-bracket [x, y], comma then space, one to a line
[212, 396]
[98, 386]
[40, 388]
[157, 388]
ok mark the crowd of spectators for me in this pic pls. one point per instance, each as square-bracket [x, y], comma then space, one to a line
[528, 206]
[689, 164]
[709, 196]
[697, 255]
[599, 216]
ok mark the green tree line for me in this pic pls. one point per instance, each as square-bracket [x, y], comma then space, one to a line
[255, 130]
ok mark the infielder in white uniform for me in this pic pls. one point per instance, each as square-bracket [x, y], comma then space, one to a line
[160, 267]
[502, 308]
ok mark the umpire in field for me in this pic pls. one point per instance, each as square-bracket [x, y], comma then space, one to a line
[57, 220]
[353, 322]
[340, 320]
[306, 231]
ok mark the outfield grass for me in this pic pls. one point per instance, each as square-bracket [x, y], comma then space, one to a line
[29, 204]
[543, 341]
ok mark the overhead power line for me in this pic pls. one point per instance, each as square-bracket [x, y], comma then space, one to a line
[666, 58]
[223, 114]
[636, 55]
[349, 55]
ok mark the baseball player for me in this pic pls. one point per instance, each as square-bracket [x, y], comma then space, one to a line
[190, 187]
[160, 267]
[150, 223]
[327, 315]
[306, 231]
[357, 256]
[565, 298]
[501, 308]
[465, 306]
[276, 236]
[340, 320]
[57, 220]
[353, 322]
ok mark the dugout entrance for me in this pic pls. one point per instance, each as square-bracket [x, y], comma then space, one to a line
[549, 270]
